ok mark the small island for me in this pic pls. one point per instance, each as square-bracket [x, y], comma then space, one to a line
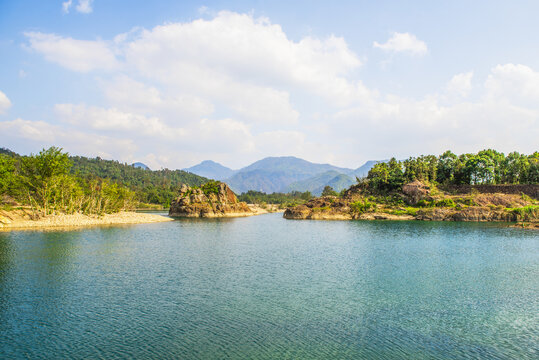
[213, 199]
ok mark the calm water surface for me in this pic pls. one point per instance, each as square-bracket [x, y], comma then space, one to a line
[265, 287]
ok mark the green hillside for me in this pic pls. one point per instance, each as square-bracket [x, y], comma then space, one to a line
[151, 187]
[315, 184]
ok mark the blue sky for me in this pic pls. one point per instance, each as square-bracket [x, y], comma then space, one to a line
[172, 83]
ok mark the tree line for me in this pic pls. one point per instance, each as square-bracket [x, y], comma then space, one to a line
[54, 182]
[150, 187]
[44, 182]
[485, 167]
[290, 199]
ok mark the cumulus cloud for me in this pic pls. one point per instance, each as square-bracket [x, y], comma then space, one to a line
[83, 6]
[497, 119]
[460, 84]
[235, 88]
[5, 103]
[403, 42]
[516, 83]
[40, 134]
[66, 5]
[76, 55]
[130, 95]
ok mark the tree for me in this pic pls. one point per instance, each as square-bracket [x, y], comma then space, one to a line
[515, 168]
[532, 176]
[328, 191]
[447, 167]
[7, 174]
[43, 173]
[385, 177]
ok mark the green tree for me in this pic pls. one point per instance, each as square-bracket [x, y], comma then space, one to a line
[447, 167]
[516, 167]
[43, 174]
[328, 191]
[7, 174]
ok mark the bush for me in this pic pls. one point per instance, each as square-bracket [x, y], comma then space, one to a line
[363, 206]
[211, 187]
[530, 212]
[445, 203]
[424, 203]
[465, 201]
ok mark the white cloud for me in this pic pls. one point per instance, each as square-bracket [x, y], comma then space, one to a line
[228, 134]
[115, 121]
[239, 50]
[5, 103]
[515, 83]
[203, 9]
[66, 5]
[460, 84]
[234, 88]
[76, 55]
[497, 119]
[130, 95]
[40, 134]
[84, 6]
[403, 42]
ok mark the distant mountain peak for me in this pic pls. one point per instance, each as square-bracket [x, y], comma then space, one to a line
[141, 166]
[211, 169]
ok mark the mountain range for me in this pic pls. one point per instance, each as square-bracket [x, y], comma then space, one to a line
[282, 174]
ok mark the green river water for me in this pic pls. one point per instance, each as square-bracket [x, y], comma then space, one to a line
[264, 287]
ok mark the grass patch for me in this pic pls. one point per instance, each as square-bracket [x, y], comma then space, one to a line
[530, 212]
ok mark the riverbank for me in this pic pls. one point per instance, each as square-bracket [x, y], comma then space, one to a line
[22, 219]
[418, 201]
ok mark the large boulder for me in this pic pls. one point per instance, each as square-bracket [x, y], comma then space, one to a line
[211, 200]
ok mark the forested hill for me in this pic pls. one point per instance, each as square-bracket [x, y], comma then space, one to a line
[154, 187]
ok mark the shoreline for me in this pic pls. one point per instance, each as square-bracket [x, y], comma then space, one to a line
[20, 220]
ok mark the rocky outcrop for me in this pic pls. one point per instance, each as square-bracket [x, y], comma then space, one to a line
[416, 191]
[322, 208]
[208, 201]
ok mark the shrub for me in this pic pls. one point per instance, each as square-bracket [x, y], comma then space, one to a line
[530, 212]
[211, 187]
[424, 203]
[465, 201]
[445, 203]
[362, 206]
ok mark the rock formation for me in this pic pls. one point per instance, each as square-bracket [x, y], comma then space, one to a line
[211, 200]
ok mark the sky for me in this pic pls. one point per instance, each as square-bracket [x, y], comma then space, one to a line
[172, 83]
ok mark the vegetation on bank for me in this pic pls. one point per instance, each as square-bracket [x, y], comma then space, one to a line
[44, 183]
[283, 200]
[447, 187]
[96, 177]
[485, 167]
[384, 182]
[150, 187]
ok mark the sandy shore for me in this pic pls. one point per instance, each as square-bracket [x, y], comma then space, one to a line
[258, 210]
[20, 219]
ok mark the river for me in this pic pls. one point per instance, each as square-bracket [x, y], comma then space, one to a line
[264, 287]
